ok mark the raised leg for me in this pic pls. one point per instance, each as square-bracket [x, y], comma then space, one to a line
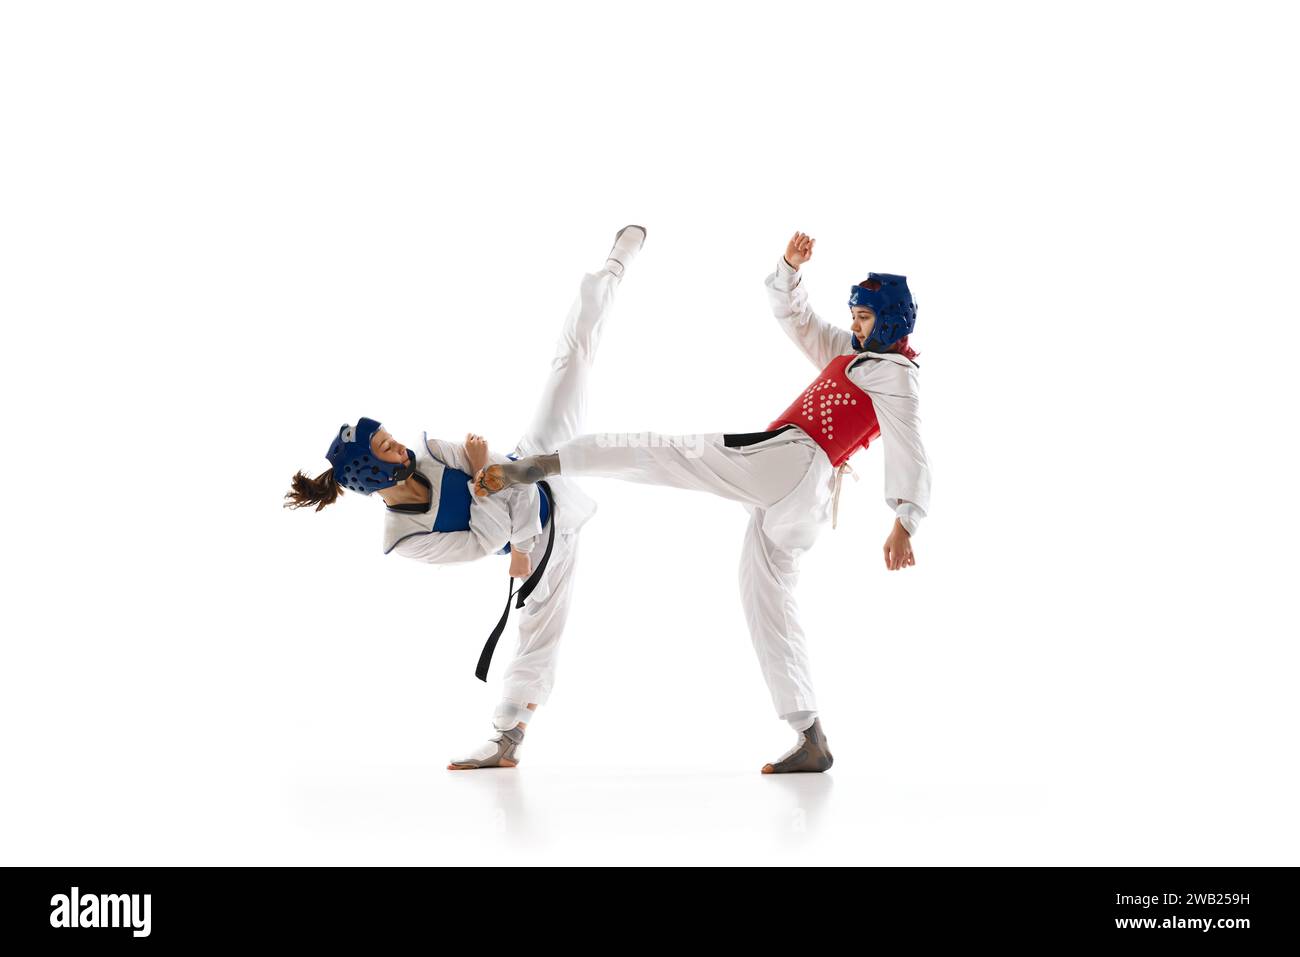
[698, 462]
[562, 410]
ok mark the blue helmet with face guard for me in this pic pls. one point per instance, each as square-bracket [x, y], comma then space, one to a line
[356, 467]
[889, 298]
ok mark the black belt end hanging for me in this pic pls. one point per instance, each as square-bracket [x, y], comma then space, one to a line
[526, 589]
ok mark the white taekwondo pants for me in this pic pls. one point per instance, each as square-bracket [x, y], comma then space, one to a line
[560, 416]
[782, 481]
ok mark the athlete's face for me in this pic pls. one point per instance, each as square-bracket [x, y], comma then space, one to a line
[388, 449]
[864, 320]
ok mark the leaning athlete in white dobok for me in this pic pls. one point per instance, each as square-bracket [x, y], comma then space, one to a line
[431, 515]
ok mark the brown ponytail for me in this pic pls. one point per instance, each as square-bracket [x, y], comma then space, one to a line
[319, 491]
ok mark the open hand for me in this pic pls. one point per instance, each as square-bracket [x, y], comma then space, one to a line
[476, 448]
[898, 548]
[799, 250]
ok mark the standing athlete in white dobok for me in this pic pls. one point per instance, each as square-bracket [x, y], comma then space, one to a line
[789, 475]
[432, 516]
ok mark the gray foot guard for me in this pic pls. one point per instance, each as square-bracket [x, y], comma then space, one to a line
[529, 469]
[810, 754]
[507, 753]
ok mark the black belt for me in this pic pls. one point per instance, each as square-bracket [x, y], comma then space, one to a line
[740, 439]
[524, 591]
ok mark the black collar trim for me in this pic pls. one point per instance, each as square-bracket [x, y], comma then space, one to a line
[415, 507]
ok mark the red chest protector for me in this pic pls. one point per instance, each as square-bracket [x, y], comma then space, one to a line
[834, 412]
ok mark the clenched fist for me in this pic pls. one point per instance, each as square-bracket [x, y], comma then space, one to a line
[476, 448]
[799, 250]
[521, 565]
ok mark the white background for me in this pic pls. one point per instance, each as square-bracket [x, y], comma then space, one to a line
[228, 228]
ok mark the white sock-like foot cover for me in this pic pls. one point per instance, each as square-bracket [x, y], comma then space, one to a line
[627, 244]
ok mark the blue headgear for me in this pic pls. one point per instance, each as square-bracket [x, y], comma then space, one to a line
[356, 468]
[894, 309]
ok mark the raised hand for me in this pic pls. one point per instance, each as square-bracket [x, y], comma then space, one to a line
[799, 250]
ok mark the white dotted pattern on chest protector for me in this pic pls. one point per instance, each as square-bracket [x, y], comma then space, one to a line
[826, 410]
[825, 404]
[817, 407]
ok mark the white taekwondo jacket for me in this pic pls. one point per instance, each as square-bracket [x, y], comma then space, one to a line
[891, 381]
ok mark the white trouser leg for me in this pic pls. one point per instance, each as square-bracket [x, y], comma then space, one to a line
[768, 572]
[559, 416]
[562, 409]
[768, 575]
[756, 477]
[531, 673]
[509, 713]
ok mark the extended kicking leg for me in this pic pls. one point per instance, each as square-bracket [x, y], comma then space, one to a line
[699, 462]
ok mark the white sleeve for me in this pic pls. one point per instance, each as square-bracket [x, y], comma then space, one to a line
[820, 341]
[489, 521]
[489, 530]
[454, 454]
[441, 548]
[525, 513]
[448, 453]
[896, 398]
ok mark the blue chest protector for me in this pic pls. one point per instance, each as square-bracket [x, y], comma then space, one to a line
[455, 498]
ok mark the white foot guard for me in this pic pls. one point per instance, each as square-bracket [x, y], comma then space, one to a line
[627, 244]
[810, 753]
[501, 751]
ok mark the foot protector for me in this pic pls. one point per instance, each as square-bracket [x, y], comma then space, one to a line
[501, 751]
[810, 753]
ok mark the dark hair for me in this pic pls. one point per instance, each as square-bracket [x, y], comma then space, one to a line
[901, 346]
[319, 491]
